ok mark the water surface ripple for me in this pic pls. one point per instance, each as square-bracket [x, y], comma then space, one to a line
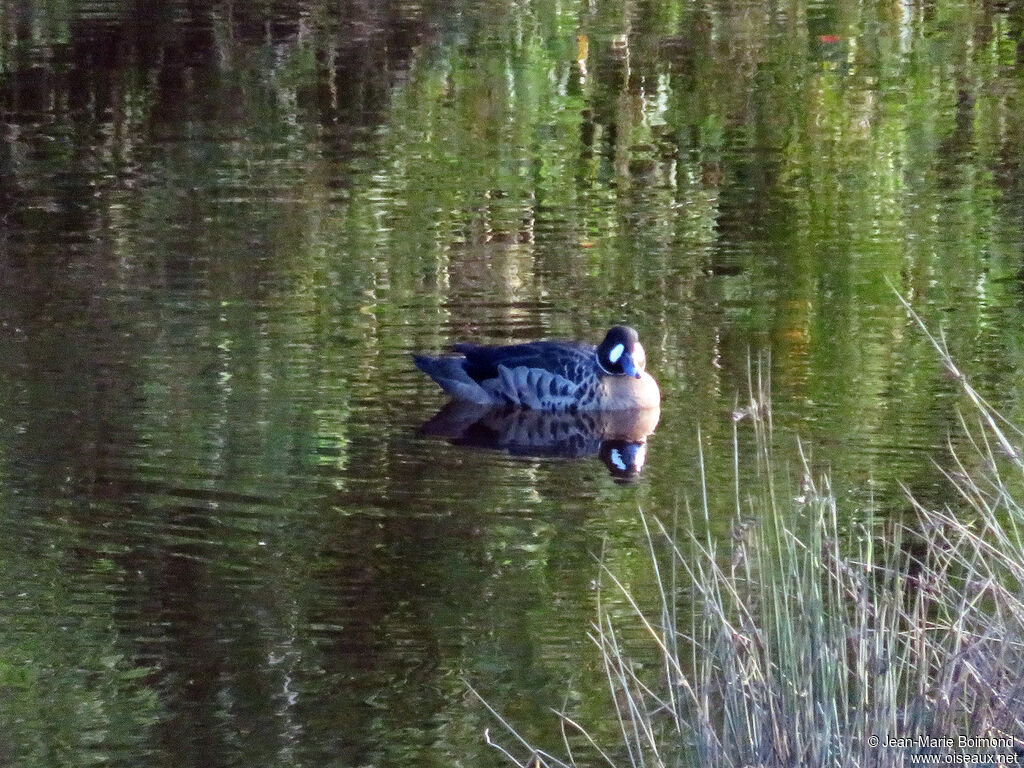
[226, 539]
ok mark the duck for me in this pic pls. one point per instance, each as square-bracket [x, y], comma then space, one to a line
[557, 376]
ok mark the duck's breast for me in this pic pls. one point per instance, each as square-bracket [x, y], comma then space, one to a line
[618, 393]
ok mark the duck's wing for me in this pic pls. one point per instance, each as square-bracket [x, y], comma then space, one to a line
[540, 375]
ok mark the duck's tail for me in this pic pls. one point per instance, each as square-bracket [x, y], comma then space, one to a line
[451, 376]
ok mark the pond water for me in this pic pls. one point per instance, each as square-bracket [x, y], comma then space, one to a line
[224, 539]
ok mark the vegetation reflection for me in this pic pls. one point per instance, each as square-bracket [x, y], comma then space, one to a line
[225, 226]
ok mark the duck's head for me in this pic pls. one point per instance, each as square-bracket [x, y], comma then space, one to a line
[621, 354]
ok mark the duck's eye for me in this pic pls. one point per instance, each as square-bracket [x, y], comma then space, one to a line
[616, 353]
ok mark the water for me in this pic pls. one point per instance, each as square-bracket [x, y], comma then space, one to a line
[224, 539]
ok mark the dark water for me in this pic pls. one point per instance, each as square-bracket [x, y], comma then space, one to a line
[225, 226]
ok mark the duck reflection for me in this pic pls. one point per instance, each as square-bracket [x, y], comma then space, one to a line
[619, 438]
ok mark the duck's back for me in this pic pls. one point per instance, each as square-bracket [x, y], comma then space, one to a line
[569, 360]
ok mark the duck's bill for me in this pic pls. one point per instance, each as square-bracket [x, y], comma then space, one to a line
[629, 367]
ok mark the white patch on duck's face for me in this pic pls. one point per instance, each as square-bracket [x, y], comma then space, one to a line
[616, 457]
[640, 458]
[616, 353]
[639, 356]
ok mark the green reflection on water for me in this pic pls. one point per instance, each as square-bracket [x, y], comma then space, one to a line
[226, 227]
